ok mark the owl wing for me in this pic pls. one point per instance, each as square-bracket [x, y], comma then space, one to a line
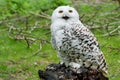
[53, 41]
[89, 46]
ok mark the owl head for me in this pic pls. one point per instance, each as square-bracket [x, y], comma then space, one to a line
[65, 13]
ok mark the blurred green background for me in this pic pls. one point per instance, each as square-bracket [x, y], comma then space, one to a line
[25, 34]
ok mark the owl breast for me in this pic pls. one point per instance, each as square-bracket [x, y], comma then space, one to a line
[64, 39]
[68, 41]
[75, 43]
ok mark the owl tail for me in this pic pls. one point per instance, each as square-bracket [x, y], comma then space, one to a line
[104, 71]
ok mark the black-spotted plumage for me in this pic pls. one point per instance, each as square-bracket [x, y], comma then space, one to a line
[76, 45]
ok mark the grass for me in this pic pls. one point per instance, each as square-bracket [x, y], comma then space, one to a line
[17, 62]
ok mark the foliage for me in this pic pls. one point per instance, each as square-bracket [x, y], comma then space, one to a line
[10, 7]
[20, 23]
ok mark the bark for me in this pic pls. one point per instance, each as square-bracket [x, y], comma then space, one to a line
[60, 72]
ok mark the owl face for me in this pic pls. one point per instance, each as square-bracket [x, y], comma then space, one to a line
[65, 13]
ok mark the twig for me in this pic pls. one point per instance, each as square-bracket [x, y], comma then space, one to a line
[106, 27]
[116, 29]
[42, 13]
[20, 37]
[113, 48]
[34, 27]
[14, 19]
[113, 23]
[26, 23]
[11, 28]
[3, 30]
[27, 41]
[42, 16]
[81, 17]
[92, 17]
[93, 27]
[40, 48]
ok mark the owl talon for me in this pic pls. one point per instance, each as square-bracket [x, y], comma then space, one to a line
[75, 65]
[61, 63]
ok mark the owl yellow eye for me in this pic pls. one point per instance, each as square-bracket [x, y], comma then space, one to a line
[60, 11]
[70, 11]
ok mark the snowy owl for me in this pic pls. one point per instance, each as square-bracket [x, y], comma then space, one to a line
[76, 45]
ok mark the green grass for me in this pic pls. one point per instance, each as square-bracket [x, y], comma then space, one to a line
[112, 57]
[18, 62]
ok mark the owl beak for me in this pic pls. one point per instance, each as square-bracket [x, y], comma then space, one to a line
[65, 17]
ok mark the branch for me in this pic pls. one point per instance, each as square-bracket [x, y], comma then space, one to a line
[113, 48]
[93, 27]
[41, 15]
[110, 33]
[14, 19]
[81, 17]
[40, 48]
[91, 18]
[34, 27]
[27, 41]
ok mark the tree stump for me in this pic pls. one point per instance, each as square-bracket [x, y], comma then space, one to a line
[61, 72]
